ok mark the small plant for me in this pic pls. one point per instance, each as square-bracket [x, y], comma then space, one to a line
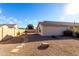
[18, 33]
[25, 32]
[76, 31]
[68, 33]
[77, 34]
[53, 36]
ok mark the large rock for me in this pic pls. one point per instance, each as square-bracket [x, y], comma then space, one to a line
[43, 45]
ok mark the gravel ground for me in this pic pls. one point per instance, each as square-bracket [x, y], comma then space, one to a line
[57, 47]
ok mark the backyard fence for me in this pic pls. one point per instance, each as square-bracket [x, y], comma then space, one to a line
[9, 32]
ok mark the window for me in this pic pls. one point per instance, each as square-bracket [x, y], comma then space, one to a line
[39, 30]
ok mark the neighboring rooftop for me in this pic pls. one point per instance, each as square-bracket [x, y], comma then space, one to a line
[59, 23]
[9, 25]
[22, 28]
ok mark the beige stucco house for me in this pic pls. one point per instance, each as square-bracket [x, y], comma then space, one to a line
[48, 28]
[9, 30]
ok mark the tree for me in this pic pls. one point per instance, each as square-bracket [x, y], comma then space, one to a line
[30, 26]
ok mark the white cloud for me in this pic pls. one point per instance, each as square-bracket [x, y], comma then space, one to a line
[33, 21]
[9, 20]
[0, 11]
[26, 20]
[2, 18]
[13, 20]
[62, 19]
[72, 9]
[71, 12]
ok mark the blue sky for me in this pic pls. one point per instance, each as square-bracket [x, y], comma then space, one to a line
[30, 13]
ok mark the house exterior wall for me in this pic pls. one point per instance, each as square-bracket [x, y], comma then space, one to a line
[4, 31]
[52, 30]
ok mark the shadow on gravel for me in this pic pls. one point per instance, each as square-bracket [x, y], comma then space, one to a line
[13, 40]
[34, 38]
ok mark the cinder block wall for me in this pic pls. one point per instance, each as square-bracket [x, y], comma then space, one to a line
[11, 31]
[21, 31]
[0, 33]
[8, 32]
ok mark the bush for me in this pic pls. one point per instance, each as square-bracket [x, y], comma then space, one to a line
[25, 32]
[53, 36]
[18, 33]
[68, 33]
[77, 34]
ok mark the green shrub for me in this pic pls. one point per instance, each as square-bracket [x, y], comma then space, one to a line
[68, 33]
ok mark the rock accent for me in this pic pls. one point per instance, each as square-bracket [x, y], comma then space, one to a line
[43, 46]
